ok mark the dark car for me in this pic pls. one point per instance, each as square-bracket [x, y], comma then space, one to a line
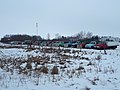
[67, 44]
[74, 44]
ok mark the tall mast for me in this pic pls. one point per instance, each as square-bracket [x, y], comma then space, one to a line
[37, 28]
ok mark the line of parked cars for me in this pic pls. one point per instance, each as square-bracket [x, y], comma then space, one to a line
[88, 45]
[74, 44]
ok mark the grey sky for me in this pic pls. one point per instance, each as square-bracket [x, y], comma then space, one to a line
[66, 17]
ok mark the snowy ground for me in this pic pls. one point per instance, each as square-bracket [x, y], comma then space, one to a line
[86, 69]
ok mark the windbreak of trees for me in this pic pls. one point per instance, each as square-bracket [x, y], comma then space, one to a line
[85, 36]
[22, 38]
[88, 36]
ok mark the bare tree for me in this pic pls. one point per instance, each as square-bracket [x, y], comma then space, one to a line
[81, 35]
[48, 36]
[89, 34]
[57, 36]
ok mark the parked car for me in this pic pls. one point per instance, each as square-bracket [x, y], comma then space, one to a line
[74, 44]
[60, 44]
[43, 43]
[54, 44]
[82, 45]
[91, 44]
[67, 44]
[106, 45]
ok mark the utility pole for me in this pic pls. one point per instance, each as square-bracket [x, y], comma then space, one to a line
[37, 29]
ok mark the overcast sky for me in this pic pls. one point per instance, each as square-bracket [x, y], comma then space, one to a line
[66, 17]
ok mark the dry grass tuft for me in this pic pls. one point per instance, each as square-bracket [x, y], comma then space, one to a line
[54, 70]
[44, 69]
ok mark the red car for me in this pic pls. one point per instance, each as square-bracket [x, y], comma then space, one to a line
[82, 45]
[101, 46]
[106, 45]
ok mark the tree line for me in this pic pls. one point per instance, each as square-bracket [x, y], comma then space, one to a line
[79, 36]
[22, 38]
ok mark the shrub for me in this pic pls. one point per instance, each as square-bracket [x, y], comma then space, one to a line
[54, 70]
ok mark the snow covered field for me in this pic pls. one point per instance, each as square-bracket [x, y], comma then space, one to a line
[59, 68]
